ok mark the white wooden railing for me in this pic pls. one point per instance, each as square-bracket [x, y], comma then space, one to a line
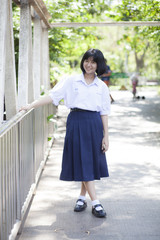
[24, 148]
[24, 144]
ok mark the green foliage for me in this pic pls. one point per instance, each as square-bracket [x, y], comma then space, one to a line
[76, 10]
[68, 44]
[133, 10]
[50, 117]
[119, 75]
[139, 39]
[62, 39]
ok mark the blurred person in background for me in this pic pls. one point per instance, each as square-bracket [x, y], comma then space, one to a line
[105, 77]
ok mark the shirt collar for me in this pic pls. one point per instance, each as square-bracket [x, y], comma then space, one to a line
[81, 78]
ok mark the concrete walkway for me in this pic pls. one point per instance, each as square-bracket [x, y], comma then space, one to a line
[131, 195]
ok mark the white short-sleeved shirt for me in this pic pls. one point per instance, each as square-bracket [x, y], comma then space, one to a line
[78, 94]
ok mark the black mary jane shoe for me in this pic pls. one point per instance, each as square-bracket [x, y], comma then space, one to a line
[101, 213]
[80, 208]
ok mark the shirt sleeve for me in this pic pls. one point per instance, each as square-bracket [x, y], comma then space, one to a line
[106, 101]
[57, 93]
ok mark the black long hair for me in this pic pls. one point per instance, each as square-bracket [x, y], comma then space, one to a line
[98, 57]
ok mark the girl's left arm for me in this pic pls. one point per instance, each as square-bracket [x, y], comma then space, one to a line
[105, 140]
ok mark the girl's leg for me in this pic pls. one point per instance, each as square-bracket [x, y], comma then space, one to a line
[81, 202]
[83, 189]
[97, 208]
[90, 187]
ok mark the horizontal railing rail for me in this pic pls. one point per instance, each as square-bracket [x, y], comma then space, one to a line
[24, 148]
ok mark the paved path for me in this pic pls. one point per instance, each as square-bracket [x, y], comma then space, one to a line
[131, 195]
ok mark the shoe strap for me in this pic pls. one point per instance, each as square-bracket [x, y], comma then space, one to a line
[98, 205]
[81, 200]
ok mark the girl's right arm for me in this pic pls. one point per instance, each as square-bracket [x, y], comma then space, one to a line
[37, 103]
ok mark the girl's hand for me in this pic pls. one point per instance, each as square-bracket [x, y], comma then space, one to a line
[25, 108]
[105, 144]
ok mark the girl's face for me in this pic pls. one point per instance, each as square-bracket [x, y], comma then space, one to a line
[90, 66]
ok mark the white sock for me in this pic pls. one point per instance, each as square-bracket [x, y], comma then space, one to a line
[95, 202]
[83, 198]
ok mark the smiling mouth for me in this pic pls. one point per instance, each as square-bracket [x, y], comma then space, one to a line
[88, 69]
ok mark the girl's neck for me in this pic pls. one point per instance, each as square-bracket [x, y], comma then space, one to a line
[89, 78]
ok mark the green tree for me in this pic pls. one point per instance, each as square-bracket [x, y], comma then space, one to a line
[62, 39]
[140, 39]
[67, 44]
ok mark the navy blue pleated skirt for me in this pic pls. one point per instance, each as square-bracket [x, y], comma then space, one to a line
[83, 159]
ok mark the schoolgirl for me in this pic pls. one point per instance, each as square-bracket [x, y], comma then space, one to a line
[86, 138]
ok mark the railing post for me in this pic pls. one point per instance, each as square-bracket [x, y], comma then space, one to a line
[3, 20]
[10, 74]
[40, 56]
[37, 56]
[45, 58]
[25, 73]
[7, 61]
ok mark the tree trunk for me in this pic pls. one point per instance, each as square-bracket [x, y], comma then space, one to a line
[140, 59]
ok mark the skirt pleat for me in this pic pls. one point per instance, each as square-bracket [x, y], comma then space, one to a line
[83, 159]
